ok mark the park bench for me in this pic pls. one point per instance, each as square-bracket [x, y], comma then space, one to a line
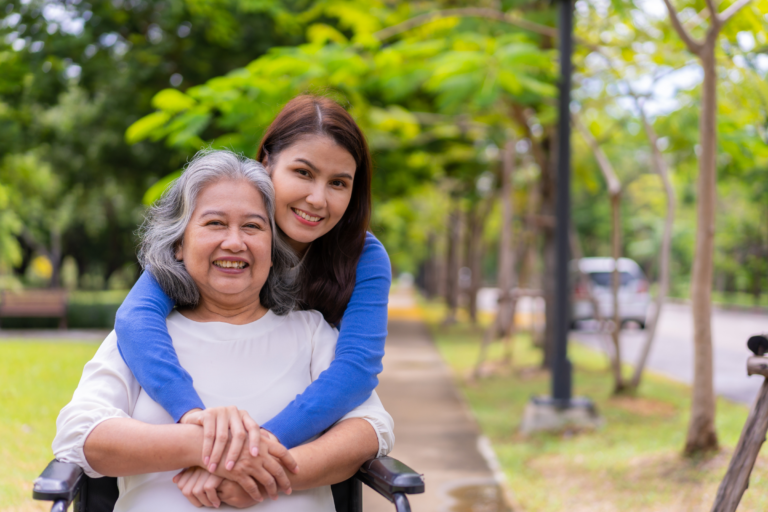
[51, 303]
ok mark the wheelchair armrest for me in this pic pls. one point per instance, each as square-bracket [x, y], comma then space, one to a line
[58, 481]
[389, 476]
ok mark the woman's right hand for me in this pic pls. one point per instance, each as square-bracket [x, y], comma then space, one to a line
[218, 423]
[266, 472]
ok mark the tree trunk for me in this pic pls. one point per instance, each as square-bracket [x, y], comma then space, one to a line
[470, 250]
[55, 256]
[701, 429]
[614, 191]
[548, 198]
[476, 218]
[506, 261]
[428, 274]
[506, 250]
[543, 150]
[454, 263]
[618, 379]
[666, 248]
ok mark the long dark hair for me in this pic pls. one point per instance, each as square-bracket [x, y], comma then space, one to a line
[328, 272]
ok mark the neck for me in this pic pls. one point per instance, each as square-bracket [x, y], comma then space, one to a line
[298, 247]
[211, 310]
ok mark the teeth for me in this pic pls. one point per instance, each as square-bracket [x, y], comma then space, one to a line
[306, 216]
[229, 264]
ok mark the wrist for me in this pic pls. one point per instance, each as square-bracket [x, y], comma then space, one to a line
[191, 439]
[185, 416]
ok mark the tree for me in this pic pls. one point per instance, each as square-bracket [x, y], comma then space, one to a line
[701, 435]
[661, 168]
[75, 75]
[614, 193]
[42, 208]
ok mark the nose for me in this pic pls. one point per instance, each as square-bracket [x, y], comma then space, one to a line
[233, 241]
[316, 198]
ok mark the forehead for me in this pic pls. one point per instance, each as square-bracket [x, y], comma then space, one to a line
[320, 152]
[234, 197]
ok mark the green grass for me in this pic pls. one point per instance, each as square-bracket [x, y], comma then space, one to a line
[633, 463]
[37, 379]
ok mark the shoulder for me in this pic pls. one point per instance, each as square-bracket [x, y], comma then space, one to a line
[374, 261]
[373, 248]
[109, 348]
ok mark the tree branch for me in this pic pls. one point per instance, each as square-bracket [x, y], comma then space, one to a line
[614, 185]
[695, 21]
[692, 45]
[712, 8]
[731, 11]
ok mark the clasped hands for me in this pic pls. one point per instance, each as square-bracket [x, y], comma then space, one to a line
[251, 469]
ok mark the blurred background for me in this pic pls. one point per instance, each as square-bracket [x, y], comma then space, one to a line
[103, 102]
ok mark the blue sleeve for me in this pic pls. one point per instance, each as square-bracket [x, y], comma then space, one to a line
[352, 376]
[147, 349]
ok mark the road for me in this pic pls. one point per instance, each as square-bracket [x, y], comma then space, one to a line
[672, 352]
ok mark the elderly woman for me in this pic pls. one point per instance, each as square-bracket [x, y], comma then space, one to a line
[210, 242]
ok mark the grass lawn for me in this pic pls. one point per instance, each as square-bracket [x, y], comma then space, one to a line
[633, 463]
[37, 379]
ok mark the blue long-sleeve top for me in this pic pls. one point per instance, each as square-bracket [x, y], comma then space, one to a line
[146, 347]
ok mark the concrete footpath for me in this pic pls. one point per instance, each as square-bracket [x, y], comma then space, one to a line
[435, 434]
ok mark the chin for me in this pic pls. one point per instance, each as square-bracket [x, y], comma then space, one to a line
[300, 235]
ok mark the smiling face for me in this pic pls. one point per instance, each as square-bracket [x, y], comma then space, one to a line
[313, 185]
[227, 245]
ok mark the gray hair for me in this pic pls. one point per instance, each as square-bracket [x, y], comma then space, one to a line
[165, 223]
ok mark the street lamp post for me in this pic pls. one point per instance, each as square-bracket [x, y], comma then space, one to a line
[561, 366]
[561, 410]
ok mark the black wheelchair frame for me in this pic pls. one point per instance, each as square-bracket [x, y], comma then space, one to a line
[64, 483]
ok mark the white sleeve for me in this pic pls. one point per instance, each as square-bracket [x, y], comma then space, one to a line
[374, 413]
[323, 352]
[107, 390]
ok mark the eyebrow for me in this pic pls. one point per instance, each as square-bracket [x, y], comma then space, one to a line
[220, 213]
[311, 166]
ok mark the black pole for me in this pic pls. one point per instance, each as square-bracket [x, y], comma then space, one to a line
[561, 366]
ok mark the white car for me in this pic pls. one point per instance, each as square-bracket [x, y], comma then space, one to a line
[634, 298]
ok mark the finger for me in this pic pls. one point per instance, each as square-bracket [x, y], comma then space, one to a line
[188, 488]
[199, 492]
[210, 487]
[254, 433]
[249, 485]
[209, 433]
[192, 417]
[267, 481]
[178, 476]
[220, 441]
[278, 472]
[184, 477]
[286, 459]
[238, 438]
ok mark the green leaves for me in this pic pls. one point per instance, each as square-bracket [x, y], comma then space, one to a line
[156, 191]
[146, 127]
[172, 101]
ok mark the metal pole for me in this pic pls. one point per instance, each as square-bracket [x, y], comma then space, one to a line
[561, 366]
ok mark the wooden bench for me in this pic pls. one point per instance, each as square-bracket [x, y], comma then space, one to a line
[51, 303]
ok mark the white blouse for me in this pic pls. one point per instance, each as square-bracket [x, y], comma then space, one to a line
[259, 367]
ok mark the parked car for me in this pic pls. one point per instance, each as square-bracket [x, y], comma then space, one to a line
[634, 298]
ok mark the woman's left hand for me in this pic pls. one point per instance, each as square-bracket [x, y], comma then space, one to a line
[224, 426]
[199, 487]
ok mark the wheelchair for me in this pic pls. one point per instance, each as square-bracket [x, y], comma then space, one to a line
[64, 483]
